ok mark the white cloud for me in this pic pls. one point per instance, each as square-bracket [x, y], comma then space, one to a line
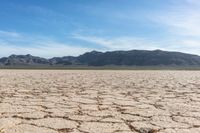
[9, 34]
[191, 43]
[193, 2]
[190, 46]
[119, 43]
[48, 50]
[182, 18]
[17, 43]
[129, 43]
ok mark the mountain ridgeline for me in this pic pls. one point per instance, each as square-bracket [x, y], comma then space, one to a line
[113, 58]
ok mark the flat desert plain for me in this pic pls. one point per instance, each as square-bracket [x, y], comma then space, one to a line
[99, 101]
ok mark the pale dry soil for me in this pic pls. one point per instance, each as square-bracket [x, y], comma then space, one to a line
[61, 101]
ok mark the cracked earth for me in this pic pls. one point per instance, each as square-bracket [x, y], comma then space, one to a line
[77, 101]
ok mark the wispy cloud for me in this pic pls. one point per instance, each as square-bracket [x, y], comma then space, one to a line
[15, 43]
[119, 43]
[182, 18]
[40, 46]
[9, 34]
[48, 50]
[129, 43]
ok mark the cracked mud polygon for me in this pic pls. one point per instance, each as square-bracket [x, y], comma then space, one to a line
[89, 101]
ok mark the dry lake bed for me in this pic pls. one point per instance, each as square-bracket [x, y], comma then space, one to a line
[99, 101]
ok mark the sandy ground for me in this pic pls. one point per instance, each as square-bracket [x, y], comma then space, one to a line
[58, 101]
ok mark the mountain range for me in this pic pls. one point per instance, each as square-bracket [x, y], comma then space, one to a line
[111, 58]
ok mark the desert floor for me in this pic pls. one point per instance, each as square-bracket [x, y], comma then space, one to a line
[61, 101]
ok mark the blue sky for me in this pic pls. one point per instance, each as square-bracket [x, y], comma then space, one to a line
[50, 28]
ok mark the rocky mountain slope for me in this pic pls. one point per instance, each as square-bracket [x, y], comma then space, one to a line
[116, 58]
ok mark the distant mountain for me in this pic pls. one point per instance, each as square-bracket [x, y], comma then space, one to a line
[66, 60]
[116, 58]
[23, 60]
[139, 58]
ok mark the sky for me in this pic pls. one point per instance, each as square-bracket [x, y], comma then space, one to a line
[50, 28]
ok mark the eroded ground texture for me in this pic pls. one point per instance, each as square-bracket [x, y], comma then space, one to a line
[61, 101]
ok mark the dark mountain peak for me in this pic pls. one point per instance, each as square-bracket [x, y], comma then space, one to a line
[94, 52]
[21, 60]
[158, 50]
[12, 55]
[29, 55]
[20, 56]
